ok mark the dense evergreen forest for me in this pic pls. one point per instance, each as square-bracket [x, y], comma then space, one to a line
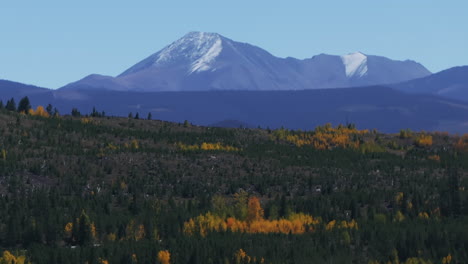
[96, 189]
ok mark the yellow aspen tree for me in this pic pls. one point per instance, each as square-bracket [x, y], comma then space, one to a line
[399, 217]
[68, 230]
[140, 233]
[4, 154]
[240, 256]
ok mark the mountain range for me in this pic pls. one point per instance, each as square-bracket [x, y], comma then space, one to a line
[208, 79]
[208, 61]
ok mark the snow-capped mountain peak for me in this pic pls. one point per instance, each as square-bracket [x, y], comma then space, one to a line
[198, 49]
[208, 48]
[355, 64]
[193, 46]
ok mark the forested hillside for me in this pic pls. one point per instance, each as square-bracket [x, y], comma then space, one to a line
[96, 189]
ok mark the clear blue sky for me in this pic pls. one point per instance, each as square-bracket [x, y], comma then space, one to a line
[53, 42]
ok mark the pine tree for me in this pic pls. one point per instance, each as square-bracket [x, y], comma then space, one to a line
[75, 112]
[24, 105]
[454, 185]
[85, 230]
[49, 109]
[137, 116]
[11, 105]
[149, 116]
[95, 112]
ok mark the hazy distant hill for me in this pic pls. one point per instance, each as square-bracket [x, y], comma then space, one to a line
[451, 83]
[14, 89]
[369, 107]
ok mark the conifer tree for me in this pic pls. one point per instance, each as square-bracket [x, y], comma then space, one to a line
[24, 105]
[49, 109]
[11, 105]
[85, 231]
[75, 112]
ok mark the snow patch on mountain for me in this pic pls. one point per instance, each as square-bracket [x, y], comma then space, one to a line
[205, 62]
[355, 64]
[199, 48]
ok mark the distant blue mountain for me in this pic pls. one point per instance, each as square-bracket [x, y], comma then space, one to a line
[371, 107]
[451, 83]
[15, 89]
[208, 61]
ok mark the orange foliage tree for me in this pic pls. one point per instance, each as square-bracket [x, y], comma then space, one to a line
[9, 258]
[462, 143]
[254, 211]
[40, 111]
[164, 257]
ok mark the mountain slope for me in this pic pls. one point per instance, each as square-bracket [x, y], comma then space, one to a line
[378, 107]
[12, 89]
[9, 89]
[208, 61]
[451, 83]
[369, 107]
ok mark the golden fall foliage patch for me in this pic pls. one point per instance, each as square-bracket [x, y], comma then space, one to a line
[341, 225]
[296, 223]
[9, 258]
[40, 111]
[423, 140]
[325, 137]
[207, 147]
[203, 224]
